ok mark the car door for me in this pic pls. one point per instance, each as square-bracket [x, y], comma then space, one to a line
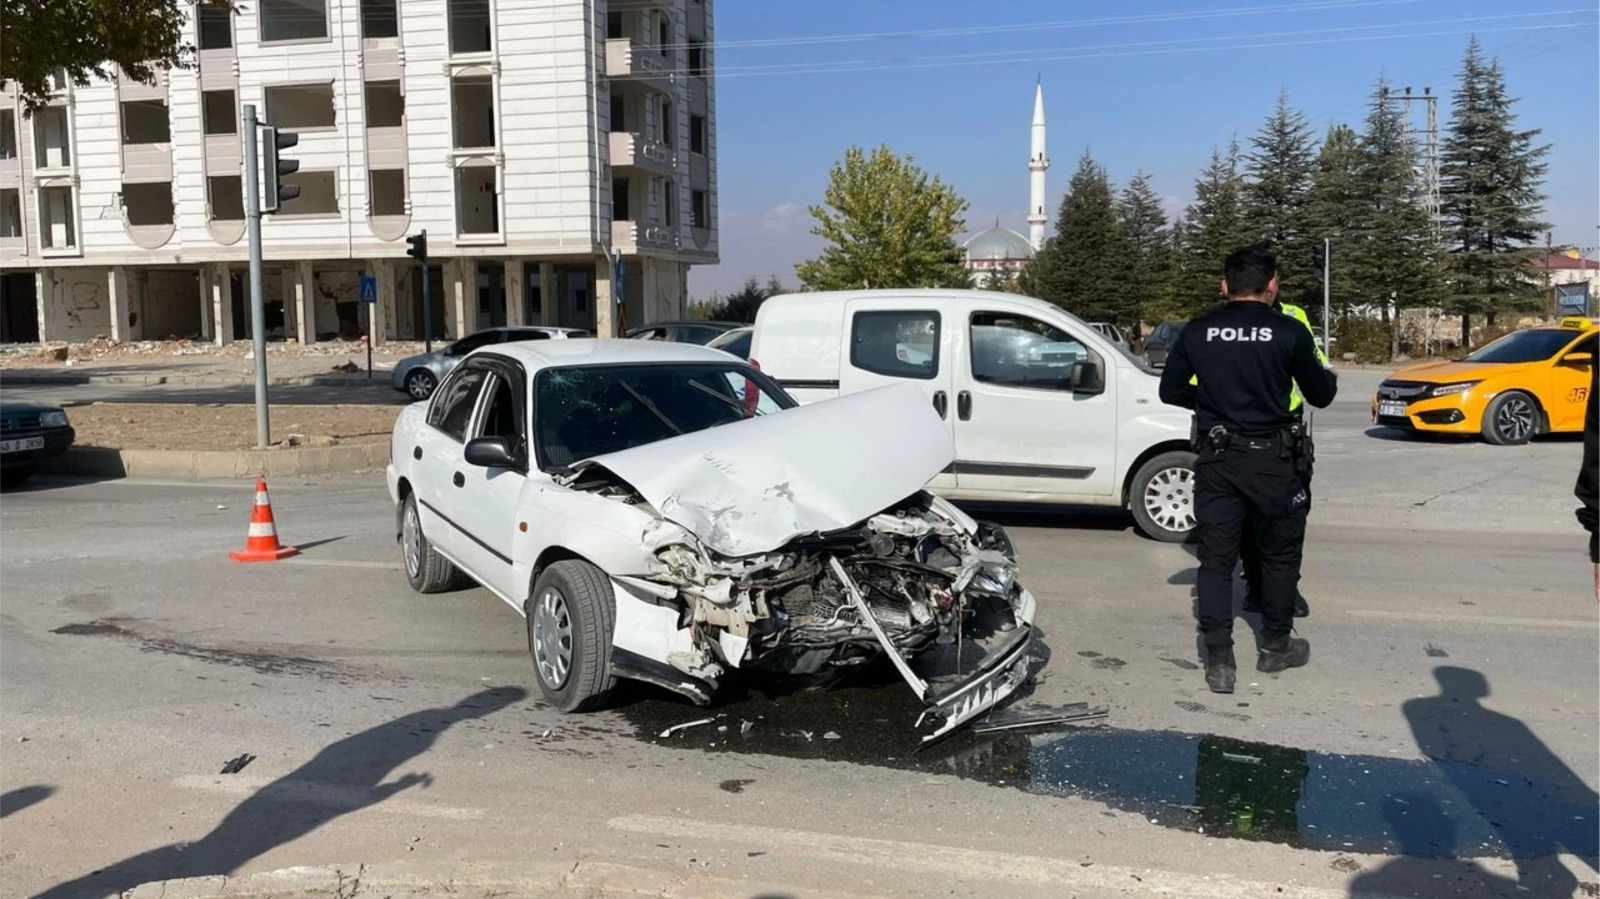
[1019, 427]
[438, 455]
[890, 340]
[486, 500]
[1570, 379]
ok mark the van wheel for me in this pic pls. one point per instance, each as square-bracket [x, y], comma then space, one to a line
[1161, 497]
[571, 617]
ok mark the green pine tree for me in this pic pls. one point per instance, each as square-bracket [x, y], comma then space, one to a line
[1085, 261]
[1148, 247]
[1492, 198]
[1278, 171]
[1333, 211]
[1213, 226]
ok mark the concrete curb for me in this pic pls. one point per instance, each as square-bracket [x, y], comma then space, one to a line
[185, 465]
[68, 379]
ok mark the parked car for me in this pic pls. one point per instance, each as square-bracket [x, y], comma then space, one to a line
[665, 513]
[1529, 382]
[1111, 332]
[736, 342]
[419, 375]
[1160, 342]
[697, 332]
[30, 432]
[1042, 407]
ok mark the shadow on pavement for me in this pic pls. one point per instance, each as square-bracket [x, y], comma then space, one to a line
[287, 808]
[14, 801]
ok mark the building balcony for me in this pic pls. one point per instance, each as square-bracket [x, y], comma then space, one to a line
[627, 60]
[630, 150]
[634, 237]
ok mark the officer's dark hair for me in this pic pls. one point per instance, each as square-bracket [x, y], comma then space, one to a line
[1248, 270]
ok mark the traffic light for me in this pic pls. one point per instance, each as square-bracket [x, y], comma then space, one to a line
[1319, 256]
[275, 169]
[419, 247]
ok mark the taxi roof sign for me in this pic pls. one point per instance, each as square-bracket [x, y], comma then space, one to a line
[1579, 322]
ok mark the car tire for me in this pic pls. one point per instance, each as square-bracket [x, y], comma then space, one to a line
[426, 570]
[420, 384]
[1161, 497]
[570, 619]
[1511, 419]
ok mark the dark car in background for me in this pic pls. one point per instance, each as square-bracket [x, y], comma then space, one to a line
[1160, 341]
[700, 333]
[736, 342]
[30, 432]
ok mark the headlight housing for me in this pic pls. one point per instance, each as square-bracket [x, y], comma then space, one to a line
[53, 419]
[1452, 389]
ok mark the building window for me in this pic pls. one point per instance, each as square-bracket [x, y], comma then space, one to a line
[670, 204]
[216, 27]
[319, 194]
[388, 191]
[621, 209]
[700, 209]
[293, 20]
[218, 111]
[145, 122]
[300, 107]
[697, 58]
[8, 134]
[10, 214]
[225, 193]
[664, 35]
[477, 200]
[147, 204]
[58, 227]
[52, 147]
[697, 134]
[614, 27]
[380, 19]
[386, 106]
[619, 113]
[472, 100]
[470, 27]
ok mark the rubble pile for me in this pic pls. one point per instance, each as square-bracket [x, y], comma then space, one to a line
[104, 349]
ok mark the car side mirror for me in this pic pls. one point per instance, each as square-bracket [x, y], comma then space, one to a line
[1578, 359]
[1086, 377]
[492, 452]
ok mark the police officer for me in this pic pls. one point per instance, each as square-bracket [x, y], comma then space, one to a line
[1247, 357]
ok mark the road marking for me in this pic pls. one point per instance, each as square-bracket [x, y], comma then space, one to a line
[344, 563]
[971, 865]
[1490, 620]
[311, 792]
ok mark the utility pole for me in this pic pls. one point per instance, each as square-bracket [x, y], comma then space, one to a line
[1327, 333]
[1430, 149]
[258, 309]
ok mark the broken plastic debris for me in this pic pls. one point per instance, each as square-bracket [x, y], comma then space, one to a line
[830, 735]
[1013, 719]
[677, 727]
[745, 727]
[235, 765]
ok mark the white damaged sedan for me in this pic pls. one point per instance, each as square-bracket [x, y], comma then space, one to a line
[666, 513]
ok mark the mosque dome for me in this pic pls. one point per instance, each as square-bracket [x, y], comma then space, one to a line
[998, 244]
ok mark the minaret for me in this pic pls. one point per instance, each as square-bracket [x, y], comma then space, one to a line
[1037, 164]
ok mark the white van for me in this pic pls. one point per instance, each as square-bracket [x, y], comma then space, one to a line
[1042, 407]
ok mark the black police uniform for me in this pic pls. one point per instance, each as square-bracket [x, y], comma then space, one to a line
[1247, 357]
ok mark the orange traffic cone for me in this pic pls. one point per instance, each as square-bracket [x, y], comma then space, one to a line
[262, 544]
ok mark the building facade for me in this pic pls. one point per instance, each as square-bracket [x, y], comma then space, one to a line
[561, 157]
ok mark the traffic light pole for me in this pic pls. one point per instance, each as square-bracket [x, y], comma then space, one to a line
[258, 309]
[1327, 335]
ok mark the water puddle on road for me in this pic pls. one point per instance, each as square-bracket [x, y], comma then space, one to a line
[1201, 783]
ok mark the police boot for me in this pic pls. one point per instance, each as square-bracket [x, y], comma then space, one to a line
[1221, 671]
[1282, 654]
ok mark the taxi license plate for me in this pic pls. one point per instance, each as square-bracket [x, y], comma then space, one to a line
[1391, 410]
[21, 445]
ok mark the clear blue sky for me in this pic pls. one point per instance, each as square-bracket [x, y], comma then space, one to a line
[1151, 84]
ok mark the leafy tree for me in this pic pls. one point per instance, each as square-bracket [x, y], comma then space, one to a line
[743, 304]
[1213, 227]
[1147, 244]
[89, 39]
[1277, 191]
[1084, 263]
[1334, 211]
[887, 225]
[1491, 178]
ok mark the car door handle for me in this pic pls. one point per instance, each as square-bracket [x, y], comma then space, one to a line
[460, 479]
[416, 452]
[941, 402]
[964, 405]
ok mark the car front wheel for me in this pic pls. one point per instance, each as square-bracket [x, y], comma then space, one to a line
[571, 616]
[426, 570]
[1161, 497]
[420, 384]
[1511, 419]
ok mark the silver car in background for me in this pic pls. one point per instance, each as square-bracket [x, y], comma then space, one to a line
[417, 376]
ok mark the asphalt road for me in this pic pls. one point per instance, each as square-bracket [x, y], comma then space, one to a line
[1443, 741]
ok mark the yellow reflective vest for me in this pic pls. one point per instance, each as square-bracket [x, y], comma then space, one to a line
[1299, 315]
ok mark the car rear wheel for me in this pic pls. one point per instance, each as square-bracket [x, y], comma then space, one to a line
[420, 384]
[1161, 497]
[570, 620]
[426, 570]
[1511, 419]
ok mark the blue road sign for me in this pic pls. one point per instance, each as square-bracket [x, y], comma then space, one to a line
[369, 289]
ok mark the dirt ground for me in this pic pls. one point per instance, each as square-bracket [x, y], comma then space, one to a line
[226, 427]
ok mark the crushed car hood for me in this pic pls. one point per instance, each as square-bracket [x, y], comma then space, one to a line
[752, 486]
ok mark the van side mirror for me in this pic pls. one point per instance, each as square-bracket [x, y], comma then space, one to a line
[492, 452]
[1086, 378]
[1578, 359]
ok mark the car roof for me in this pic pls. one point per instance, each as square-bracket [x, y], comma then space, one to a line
[541, 354]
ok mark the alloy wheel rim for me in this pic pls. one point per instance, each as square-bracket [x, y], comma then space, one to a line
[1515, 419]
[1169, 499]
[411, 541]
[552, 639]
[420, 385]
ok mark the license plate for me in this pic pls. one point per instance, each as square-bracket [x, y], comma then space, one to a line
[21, 445]
[1391, 410]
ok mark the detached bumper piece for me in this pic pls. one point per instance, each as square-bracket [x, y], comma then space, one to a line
[999, 676]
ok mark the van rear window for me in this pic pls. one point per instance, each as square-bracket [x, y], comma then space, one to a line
[898, 344]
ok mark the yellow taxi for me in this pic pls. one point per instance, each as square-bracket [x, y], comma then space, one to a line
[1529, 382]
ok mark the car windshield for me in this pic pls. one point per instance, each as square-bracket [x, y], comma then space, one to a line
[583, 412]
[1523, 346]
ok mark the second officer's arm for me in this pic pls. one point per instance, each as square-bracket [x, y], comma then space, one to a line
[1317, 382]
[1177, 379]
